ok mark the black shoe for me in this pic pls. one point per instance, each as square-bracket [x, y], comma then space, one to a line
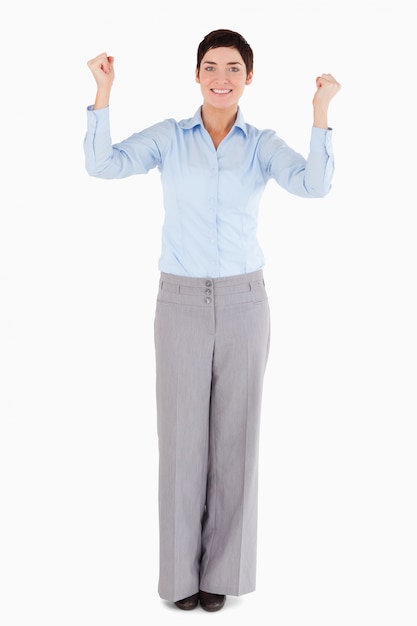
[188, 603]
[211, 601]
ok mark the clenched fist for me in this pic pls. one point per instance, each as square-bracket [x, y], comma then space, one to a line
[102, 68]
[327, 88]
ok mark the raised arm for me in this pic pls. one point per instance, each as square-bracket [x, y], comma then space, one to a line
[102, 68]
[327, 88]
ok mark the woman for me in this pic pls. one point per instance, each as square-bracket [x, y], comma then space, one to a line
[212, 315]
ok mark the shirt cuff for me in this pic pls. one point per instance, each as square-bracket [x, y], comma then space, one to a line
[321, 140]
[98, 120]
[98, 112]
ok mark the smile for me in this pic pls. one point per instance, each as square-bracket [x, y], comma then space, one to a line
[221, 91]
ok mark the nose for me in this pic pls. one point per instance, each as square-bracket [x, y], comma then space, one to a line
[223, 77]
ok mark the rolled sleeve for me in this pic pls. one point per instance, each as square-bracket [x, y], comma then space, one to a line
[97, 141]
[321, 140]
[320, 162]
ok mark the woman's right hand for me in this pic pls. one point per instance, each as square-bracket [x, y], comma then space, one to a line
[102, 68]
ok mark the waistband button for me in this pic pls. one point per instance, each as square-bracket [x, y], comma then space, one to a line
[208, 283]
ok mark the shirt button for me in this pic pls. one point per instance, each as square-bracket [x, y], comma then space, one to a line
[207, 300]
[208, 292]
[208, 283]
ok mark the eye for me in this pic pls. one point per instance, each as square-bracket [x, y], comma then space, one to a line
[209, 68]
[234, 69]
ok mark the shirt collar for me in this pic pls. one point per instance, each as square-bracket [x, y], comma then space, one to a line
[197, 120]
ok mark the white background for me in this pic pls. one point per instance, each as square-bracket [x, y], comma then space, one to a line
[78, 272]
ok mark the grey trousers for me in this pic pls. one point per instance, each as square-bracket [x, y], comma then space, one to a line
[211, 347]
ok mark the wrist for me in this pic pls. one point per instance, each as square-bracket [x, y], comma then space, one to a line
[102, 99]
[320, 119]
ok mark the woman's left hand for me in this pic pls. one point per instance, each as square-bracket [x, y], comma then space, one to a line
[327, 88]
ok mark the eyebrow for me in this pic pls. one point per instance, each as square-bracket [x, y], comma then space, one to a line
[229, 63]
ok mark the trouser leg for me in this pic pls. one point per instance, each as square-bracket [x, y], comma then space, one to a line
[230, 525]
[184, 350]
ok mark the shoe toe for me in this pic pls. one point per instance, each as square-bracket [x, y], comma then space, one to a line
[212, 601]
[186, 604]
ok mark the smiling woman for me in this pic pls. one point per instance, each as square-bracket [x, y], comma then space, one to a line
[222, 72]
[222, 76]
[212, 315]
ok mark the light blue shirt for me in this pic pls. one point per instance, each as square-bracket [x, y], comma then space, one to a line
[211, 197]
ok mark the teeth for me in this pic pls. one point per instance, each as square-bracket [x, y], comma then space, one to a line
[221, 90]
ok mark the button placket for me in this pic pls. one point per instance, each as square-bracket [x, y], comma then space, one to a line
[208, 292]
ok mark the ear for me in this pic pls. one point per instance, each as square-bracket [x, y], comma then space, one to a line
[197, 75]
[249, 78]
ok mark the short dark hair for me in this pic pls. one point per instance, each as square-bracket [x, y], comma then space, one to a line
[223, 38]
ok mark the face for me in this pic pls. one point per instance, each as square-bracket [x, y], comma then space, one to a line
[222, 77]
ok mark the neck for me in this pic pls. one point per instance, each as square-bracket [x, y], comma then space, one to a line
[218, 120]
